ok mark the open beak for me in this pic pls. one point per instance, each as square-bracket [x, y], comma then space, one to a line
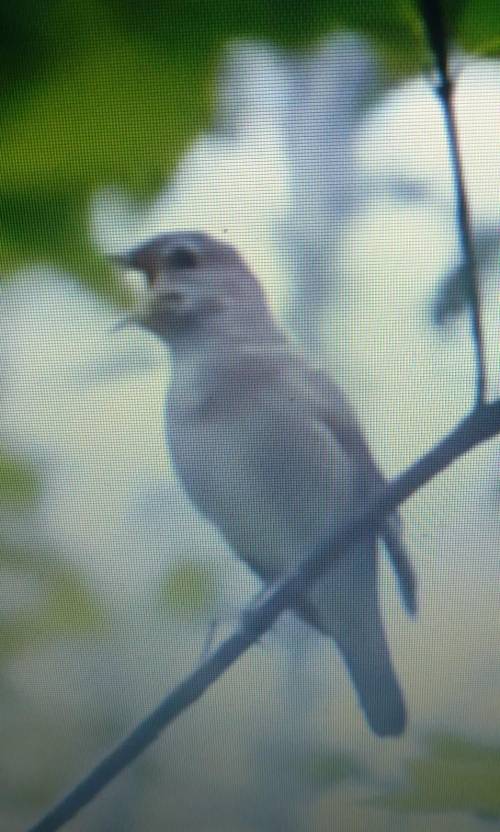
[125, 260]
[135, 318]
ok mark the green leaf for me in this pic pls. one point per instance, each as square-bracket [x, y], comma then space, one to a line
[47, 598]
[115, 114]
[19, 482]
[477, 27]
[326, 769]
[188, 589]
[458, 775]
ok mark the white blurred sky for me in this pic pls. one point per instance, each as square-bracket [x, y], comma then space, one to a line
[90, 402]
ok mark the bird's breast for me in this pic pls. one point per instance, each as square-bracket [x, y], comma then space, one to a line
[271, 484]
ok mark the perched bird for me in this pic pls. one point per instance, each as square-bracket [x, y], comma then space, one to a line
[267, 447]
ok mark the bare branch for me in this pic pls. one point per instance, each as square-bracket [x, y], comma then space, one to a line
[479, 426]
[436, 34]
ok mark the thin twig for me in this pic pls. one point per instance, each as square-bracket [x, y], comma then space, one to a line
[479, 426]
[436, 33]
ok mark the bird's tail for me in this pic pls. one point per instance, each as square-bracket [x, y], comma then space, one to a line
[344, 605]
[368, 661]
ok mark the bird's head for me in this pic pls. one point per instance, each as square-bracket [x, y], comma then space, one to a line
[194, 283]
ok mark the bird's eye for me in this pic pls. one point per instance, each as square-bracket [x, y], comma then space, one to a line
[182, 258]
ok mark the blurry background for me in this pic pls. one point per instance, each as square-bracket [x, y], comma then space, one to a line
[313, 141]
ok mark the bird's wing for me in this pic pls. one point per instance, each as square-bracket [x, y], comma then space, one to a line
[335, 412]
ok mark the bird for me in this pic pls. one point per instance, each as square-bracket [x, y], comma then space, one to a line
[268, 448]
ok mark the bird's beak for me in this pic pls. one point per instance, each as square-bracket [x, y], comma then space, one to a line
[125, 260]
[136, 318]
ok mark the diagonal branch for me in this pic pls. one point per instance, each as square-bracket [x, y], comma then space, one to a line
[479, 426]
[432, 15]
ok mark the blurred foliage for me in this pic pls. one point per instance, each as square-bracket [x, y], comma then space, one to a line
[28, 785]
[477, 26]
[329, 768]
[457, 775]
[188, 589]
[452, 296]
[110, 93]
[18, 481]
[51, 600]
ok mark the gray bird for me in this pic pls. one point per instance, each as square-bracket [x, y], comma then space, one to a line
[267, 447]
